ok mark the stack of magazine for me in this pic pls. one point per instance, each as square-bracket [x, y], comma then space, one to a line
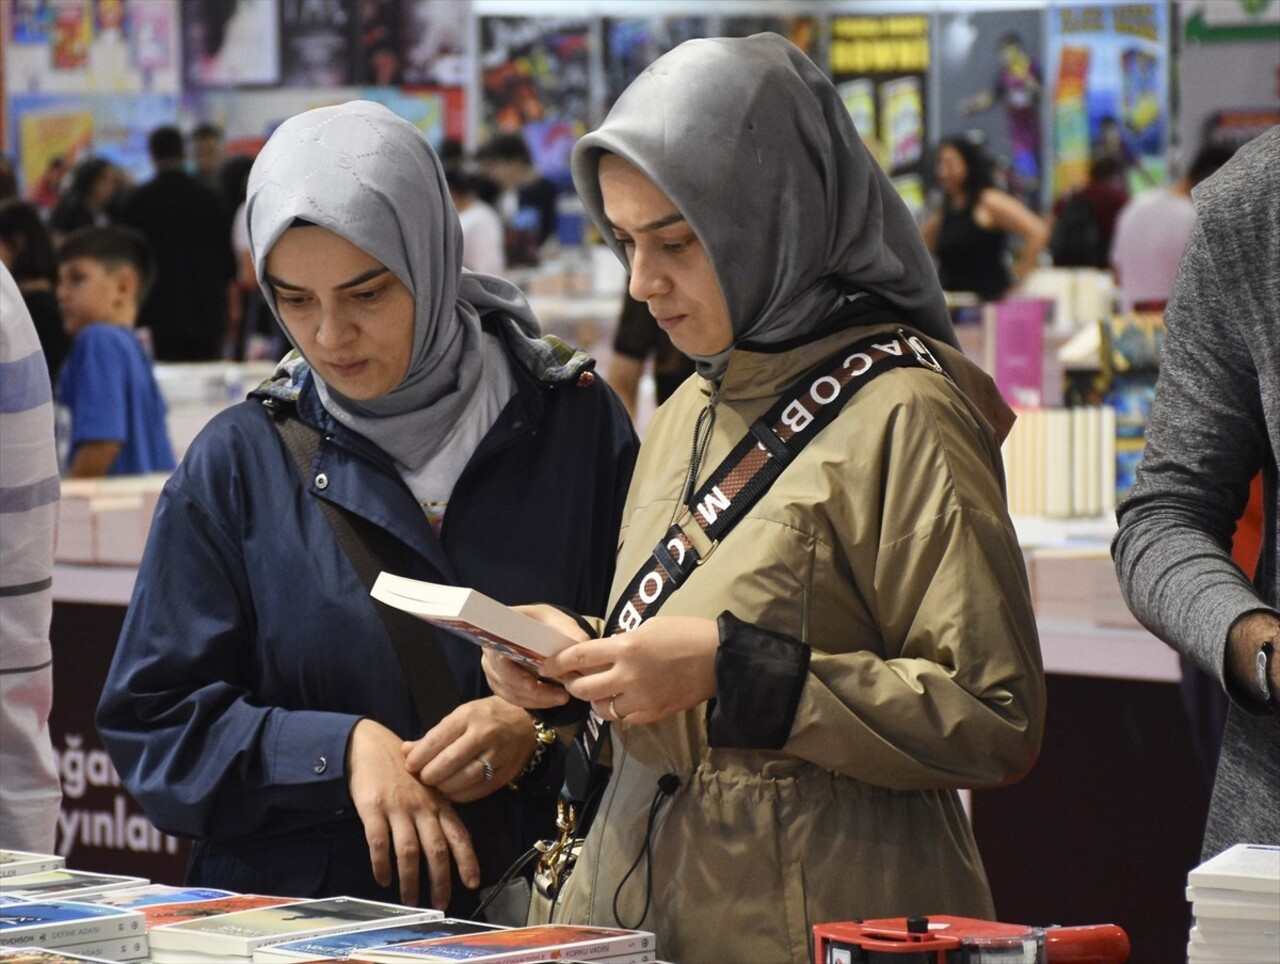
[50, 914]
[1235, 901]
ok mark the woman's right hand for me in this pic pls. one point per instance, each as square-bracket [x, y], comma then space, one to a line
[405, 818]
[515, 682]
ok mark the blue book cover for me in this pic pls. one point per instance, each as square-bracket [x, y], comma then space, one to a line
[342, 945]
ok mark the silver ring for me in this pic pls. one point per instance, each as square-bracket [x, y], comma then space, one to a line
[613, 711]
[488, 768]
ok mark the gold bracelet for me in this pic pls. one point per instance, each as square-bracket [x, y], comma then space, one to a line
[543, 737]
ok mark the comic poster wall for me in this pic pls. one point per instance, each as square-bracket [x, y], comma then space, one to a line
[91, 47]
[534, 78]
[1109, 84]
[880, 66]
[991, 83]
[632, 43]
[318, 43]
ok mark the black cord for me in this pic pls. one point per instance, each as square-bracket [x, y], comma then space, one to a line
[519, 865]
[668, 783]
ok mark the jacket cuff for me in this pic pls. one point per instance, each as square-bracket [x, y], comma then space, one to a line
[759, 678]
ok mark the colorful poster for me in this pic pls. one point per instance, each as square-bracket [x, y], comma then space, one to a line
[72, 34]
[632, 43]
[534, 71]
[991, 83]
[1110, 90]
[152, 34]
[436, 41]
[108, 16]
[318, 43]
[880, 67]
[437, 112]
[52, 140]
[32, 21]
[231, 44]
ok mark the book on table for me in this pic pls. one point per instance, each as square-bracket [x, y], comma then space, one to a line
[44, 955]
[149, 894]
[473, 616]
[17, 862]
[176, 912]
[1244, 866]
[521, 945]
[237, 934]
[352, 943]
[64, 883]
[59, 923]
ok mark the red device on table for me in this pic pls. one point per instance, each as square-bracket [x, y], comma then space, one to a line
[942, 939]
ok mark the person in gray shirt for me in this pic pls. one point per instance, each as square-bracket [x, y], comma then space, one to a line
[1214, 425]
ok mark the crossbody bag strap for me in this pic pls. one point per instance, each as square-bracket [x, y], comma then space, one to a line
[773, 441]
[370, 551]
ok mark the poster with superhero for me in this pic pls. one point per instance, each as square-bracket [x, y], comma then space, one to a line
[1109, 77]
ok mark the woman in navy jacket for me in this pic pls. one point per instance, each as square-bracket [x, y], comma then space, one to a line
[256, 702]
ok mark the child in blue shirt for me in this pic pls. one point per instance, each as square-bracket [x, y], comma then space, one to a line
[107, 388]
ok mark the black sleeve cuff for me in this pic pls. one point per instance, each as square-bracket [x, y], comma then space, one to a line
[759, 678]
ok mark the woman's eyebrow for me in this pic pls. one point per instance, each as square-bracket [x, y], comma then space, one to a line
[354, 282]
[674, 217]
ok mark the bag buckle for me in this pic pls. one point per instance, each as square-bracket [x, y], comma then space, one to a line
[557, 856]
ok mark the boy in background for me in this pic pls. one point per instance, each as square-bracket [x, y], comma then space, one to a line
[107, 387]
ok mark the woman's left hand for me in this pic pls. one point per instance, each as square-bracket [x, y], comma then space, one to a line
[651, 673]
[452, 755]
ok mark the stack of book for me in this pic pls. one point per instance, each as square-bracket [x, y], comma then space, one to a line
[73, 928]
[117, 918]
[1235, 903]
[106, 521]
[1061, 462]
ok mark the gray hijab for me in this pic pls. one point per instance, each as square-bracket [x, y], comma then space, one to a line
[364, 173]
[751, 142]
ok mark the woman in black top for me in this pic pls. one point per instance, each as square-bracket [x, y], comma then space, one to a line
[968, 234]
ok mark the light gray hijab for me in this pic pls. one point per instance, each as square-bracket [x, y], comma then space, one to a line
[751, 142]
[364, 173]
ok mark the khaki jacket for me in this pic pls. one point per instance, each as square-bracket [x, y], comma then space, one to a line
[887, 549]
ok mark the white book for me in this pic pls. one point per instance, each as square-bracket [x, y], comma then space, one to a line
[66, 883]
[473, 616]
[112, 949]
[1245, 898]
[43, 955]
[1057, 464]
[239, 933]
[55, 923]
[351, 943]
[521, 945]
[1252, 937]
[1201, 954]
[1252, 867]
[1203, 910]
[16, 862]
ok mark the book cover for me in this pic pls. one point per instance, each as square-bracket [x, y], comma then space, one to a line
[17, 862]
[240, 932]
[158, 915]
[351, 943]
[473, 616]
[55, 923]
[66, 883]
[1015, 349]
[520, 945]
[151, 894]
[1252, 867]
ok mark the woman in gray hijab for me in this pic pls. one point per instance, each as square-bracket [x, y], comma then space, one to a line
[845, 636]
[256, 702]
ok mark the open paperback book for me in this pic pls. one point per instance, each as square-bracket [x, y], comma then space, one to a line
[473, 616]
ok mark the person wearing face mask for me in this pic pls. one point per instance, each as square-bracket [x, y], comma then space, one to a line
[256, 702]
[790, 729]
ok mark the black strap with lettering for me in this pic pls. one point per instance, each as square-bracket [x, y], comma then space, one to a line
[774, 440]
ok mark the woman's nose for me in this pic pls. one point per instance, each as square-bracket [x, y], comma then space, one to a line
[334, 329]
[648, 278]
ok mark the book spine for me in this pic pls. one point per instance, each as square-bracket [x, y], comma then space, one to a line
[74, 932]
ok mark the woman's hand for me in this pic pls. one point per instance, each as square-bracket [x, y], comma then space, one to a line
[405, 818]
[516, 683]
[651, 673]
[451, 756]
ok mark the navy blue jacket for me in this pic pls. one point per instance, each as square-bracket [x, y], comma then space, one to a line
[250, 649]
